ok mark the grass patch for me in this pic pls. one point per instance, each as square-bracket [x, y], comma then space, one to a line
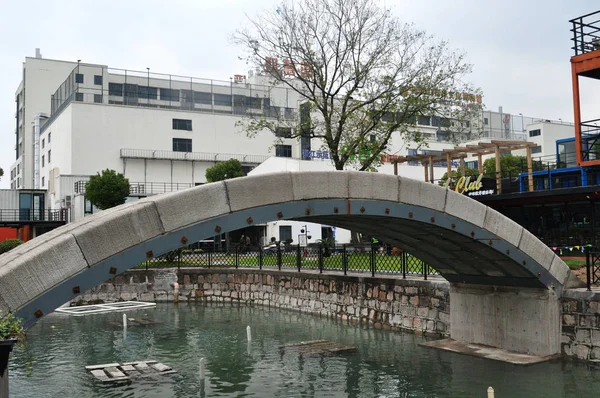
[575, 264]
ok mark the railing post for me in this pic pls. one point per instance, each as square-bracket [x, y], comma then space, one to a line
[260, 257]
[298, 258]
[237, 257]
[344, 260]
[424, 269]
[404, 256]
[178, 260]
[278, 255]
[209, 258]
[373, 260]
[320, 259]
[588, 269]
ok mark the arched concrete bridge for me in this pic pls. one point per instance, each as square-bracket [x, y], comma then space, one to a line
[471, 245]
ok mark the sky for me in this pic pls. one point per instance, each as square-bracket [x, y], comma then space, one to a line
[520, 50]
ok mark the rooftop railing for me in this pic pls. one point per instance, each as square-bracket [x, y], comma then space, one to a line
[191, 156]
[29, 215]
[586, 33]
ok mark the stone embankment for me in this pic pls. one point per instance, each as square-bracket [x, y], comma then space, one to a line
[415, 305]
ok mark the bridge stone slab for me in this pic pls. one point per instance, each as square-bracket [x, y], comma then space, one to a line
[248, 192]
[465, 208]
[421, 194]
[191, 206]
[537, 250]
[322, 185]
[502, 226]
[373, 186]
[118, 231]
[34, 272]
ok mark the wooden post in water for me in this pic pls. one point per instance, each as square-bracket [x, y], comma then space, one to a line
[490, 392]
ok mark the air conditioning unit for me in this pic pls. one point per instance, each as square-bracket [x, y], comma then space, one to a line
[68, 200]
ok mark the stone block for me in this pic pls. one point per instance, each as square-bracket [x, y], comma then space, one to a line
[559, 269]
[179, 209]
[582, 351]
[465, 208]
[417, 322]
[594, 307]
[502, 226]
[34, 272]
[121, 230]
[423, 194]
[435, 302]
[587, 320]
[414, 300]
[365, 185]
[536, 249]
[583, 336]
[255, 191]
[422, 311]
[322, 185]
[595, 353]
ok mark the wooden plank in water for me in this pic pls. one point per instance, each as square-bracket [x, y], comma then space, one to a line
[317, 347]
[106, 365]
[127, 368]
[100, 375]
[114, 372]
[159, 367]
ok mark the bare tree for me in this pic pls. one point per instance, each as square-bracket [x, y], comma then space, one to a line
[362, 73]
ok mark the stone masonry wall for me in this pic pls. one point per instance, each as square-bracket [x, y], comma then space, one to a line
[413, 305]
[581, 324]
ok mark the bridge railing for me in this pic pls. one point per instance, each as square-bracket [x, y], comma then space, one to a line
[342, 258]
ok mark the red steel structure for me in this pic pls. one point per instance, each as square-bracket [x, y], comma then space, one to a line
[585, 63]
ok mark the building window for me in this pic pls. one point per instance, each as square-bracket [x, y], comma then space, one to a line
[424, 120]
[372, 138]
[115, 89]
[43, 181]
[79, 97]
[43, 143]
[202, 98]
[536, 149]
[43, 161]
[49, 156]
[98, 98]
[283, 151]
[285, 233]
[222, 100]
[78, 77]
[167, 94]
[148, 92]
[485, 120]
[49, 135]
[535, 133]
[182, 124]
[97, 80]
[182, 145]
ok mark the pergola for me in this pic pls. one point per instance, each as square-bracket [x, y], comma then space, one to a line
[460, 153]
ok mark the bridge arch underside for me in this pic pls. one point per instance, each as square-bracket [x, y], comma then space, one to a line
[459, 250]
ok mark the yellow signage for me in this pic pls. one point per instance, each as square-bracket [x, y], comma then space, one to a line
[465, 185]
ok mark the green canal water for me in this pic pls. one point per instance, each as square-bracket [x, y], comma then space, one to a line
[385, 363]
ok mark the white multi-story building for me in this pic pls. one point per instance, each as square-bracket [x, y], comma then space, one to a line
[163, 131]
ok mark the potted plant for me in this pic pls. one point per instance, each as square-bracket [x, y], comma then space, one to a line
[11, 332]
[326, 244]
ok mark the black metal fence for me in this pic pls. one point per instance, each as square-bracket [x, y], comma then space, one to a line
[343, 259]
[16, 215]
[586, 33]
[592, 265]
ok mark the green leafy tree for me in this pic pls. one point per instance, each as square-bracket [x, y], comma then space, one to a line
[510, 165]
[107, 190]
[456, 174]
[362, 75]
[224, 171]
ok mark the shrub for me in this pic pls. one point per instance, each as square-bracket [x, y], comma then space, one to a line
[173, 255]
[9, 244]
[11, 327]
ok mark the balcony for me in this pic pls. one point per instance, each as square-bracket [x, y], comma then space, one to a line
[14, 217]
[586, 33]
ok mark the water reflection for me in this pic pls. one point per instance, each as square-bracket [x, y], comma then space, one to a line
[384, 363]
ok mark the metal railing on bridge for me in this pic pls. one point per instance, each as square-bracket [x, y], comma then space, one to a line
[345, 258]
[24, 215]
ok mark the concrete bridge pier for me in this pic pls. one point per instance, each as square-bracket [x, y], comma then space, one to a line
[515, 319]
